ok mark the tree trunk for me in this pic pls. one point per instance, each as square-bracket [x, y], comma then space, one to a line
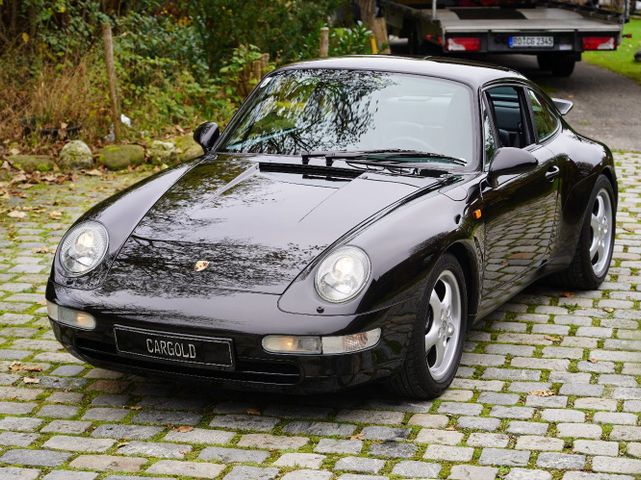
[376, 24]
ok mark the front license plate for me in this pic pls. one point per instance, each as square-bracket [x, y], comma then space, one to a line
[174, 347]
[531, 42]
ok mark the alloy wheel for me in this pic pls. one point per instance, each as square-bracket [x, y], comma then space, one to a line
[601, 229]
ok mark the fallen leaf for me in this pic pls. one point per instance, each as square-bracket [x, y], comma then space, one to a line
[42, 250]
[253, 411]
[567, 294]
[30, 380]
[16, 214]
[183, 429]
[19, 367]
[121, 444]
[358, 436]
[552, 338]
[94, 173]
[201, 265]
[14, 151]
[608, 309]
[593, 360]
[135, 407]
[542, 393]
[56, 215]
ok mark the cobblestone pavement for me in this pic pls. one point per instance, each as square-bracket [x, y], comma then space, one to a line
[549, 388]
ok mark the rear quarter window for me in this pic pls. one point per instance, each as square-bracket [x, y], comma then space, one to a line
[545, 119]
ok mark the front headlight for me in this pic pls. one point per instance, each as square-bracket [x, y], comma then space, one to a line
[342, 274]
[83, 248]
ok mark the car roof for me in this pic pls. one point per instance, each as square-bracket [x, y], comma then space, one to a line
[474, 74]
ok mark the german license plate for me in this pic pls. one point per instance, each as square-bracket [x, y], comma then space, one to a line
[531, 41]
[174, 347]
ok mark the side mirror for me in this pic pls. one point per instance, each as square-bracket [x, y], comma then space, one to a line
[206, 135]
[563, 106]
[510, 161]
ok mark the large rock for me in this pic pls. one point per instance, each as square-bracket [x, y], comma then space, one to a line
[187, 148]
[32, 163]
[162, 152]
[75, 154]
[118, 157]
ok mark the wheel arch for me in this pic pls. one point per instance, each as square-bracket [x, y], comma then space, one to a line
[608, 171]
[467, 258]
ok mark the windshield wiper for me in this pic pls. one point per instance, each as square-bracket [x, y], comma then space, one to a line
[380, 156]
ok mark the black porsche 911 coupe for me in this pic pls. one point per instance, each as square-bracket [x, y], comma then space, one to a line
[353, 220]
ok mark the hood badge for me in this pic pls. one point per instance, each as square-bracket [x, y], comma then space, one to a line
[201, 265]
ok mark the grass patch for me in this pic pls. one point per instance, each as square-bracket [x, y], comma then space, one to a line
[621, 61]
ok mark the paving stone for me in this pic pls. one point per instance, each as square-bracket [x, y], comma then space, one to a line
[504, 457]
[20, 424]
[532, 442]
[470, 472]
[321, 429]
[449, 453]
[561, 461]
[479, 423]
[596, 447]
[128, 432]
[307, 475]
[155, 449]
[58, 411]
[578, 430]
[385, 433]
[443, 437]
[429, 420]
[414, 469]
[512, 412]
[562, 415]
[160, 417]
[370, 416]
[17, 439]
[360, 464]
[304, 460]
[69, 475]
[108, 463]
[526, 474]
[619, 418]
[187, 469]
[272, 442]
[252, 473]
[329, 445]
[244, 422]
[35, 458]
[233, 455]
[393, 449]
[76, 444]
[199, 435]
[105, 414]
[498, 440]
[15, 473]
[616, 465]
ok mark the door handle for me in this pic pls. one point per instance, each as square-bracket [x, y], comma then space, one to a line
[552, 173]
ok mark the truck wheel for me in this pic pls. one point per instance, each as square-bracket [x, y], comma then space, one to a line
[545, 61]
[562, 65]
[435, 349]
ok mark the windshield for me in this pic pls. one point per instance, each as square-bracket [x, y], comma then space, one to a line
[299, 111]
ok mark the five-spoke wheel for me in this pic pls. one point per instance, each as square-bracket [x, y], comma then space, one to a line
[601, 232]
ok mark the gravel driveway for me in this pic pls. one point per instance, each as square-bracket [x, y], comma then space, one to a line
[548, 390]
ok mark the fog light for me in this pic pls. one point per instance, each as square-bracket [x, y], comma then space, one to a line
[70, 317]
[292, 344]
[310, 345]
[351, 343]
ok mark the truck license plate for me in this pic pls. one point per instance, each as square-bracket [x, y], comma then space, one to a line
[531, 41]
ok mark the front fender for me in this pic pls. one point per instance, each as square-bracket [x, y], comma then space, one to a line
[119, 214]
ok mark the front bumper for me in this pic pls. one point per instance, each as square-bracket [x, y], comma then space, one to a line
[256, 315]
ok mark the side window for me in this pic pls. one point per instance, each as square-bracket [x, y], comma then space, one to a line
[545, 120]
[489, 141]
[508, 107]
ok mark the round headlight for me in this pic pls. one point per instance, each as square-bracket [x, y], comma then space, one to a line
[342, 274]
[83, 248]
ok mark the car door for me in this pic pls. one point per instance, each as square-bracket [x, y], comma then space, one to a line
[520, 211]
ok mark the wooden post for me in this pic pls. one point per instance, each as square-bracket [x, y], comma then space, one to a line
[376, 24]
[257, 70]
[111, 77]
[324, 42]
[264, 62]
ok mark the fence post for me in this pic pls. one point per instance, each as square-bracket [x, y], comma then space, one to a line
[324, 42]
[111, 77]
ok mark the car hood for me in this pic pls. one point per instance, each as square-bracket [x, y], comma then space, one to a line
[231, 223]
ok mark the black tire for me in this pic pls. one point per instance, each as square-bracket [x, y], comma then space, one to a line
[562, 65]
[545, 61]
[580, 275]
[414, 380]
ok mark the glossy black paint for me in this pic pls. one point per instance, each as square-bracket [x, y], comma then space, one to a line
[265, 222]
[206, 135]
